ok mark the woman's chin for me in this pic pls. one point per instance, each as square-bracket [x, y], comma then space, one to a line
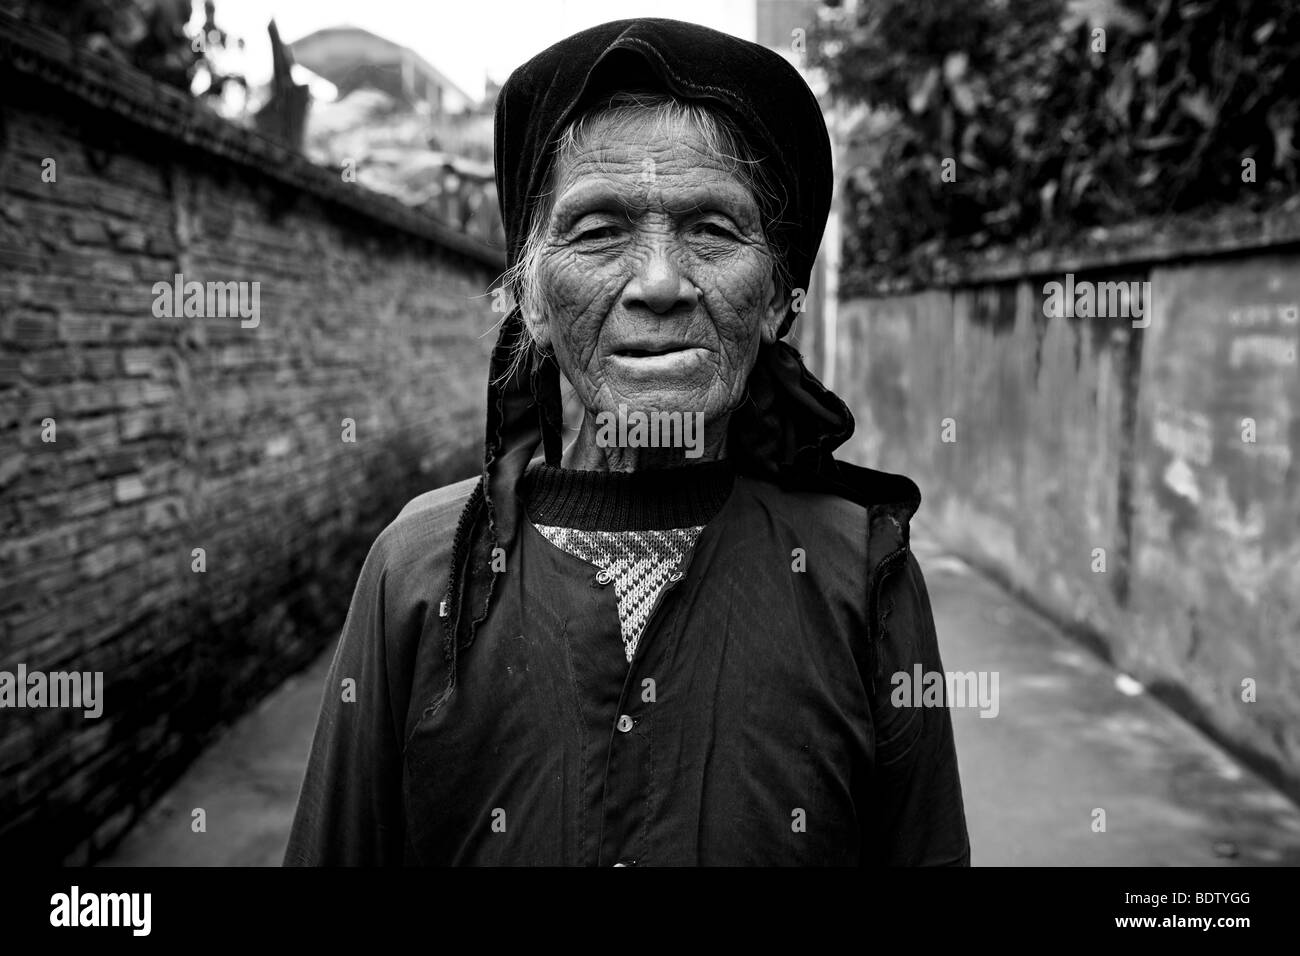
[673, 382]
[661, 399]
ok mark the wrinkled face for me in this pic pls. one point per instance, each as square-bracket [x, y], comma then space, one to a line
[655, 281]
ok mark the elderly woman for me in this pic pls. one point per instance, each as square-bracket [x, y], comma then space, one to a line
[671, 642]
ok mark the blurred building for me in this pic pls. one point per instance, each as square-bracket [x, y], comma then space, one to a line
[398, 125]
[786, 27]
[776, 20]
[355, 59]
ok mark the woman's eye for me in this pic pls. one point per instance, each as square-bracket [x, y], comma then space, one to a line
[599, 232]
[713, 229]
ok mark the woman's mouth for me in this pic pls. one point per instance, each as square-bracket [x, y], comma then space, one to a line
[658, 360]
[643, 353]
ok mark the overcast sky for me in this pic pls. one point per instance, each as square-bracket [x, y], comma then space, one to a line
[465, 39]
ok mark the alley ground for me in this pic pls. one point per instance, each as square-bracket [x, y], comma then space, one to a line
[1071, 736]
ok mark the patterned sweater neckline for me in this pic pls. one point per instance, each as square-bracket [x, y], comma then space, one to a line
[637, 529]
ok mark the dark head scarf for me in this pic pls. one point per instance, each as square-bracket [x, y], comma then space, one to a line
[790, 423]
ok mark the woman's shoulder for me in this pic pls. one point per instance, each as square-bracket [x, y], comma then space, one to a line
[833, 508]
[436, 505]
[804, 505]
[423, 530]
[810, 519]
[871, 529]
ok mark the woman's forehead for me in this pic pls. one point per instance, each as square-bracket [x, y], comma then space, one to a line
[643, 139]
[638, 161]
[621, 190]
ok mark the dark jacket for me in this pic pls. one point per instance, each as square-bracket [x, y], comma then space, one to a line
[769, 737]
[493, 716]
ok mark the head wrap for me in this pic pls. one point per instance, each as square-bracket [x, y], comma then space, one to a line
[790, 423]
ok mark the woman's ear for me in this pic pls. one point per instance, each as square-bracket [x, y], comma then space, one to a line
[538, 329]
[774, 314]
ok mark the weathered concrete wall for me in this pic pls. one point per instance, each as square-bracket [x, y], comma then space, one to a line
[1106, 472]
[129, 440]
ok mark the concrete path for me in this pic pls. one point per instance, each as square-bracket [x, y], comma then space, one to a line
[1071, 736]
[247, 784]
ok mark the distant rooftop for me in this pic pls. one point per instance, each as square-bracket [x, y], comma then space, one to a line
[352, 58]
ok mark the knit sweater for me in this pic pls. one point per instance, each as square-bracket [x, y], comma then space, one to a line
[636, 528]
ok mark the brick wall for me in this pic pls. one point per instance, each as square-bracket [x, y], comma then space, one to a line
[174, 434]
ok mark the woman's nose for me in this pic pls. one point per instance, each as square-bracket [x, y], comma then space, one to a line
[659, 285]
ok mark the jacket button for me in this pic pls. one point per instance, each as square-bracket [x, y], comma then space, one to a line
[624, 723]
[626, 863]
[604, 576]
[676, 576]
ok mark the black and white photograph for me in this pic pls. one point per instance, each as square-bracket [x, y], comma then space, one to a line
[745, 434]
